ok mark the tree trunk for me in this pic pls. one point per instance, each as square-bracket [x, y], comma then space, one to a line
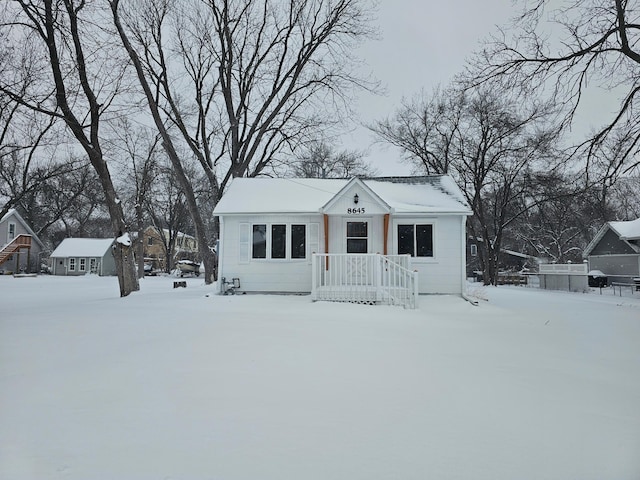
[140, 241]
[123, 251]
[167, 143]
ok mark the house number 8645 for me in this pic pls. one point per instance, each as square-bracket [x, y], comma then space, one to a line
[355, 211]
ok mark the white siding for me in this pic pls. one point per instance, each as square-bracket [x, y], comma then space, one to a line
[442, 273]
[367, 204]
[266, 275]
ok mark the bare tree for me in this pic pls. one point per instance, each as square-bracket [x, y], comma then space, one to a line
[138, 149]
[241, 81]
[168, 212]
[561, 220]
[488, 143]
[320, 160]
[73, 200]
[25, 160]
[68, 46]
[564, 50]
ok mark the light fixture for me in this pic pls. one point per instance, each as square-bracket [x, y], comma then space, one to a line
[355, 199]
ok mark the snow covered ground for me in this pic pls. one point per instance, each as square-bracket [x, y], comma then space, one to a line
[184, 384]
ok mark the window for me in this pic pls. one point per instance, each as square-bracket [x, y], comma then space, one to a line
[83, 264]
[474, 249]
[72, 264]
[259, 241]
[298, 241]
[415, 240]
[12, 232]
[92, 265]
[277, 241]
[357, 233]
[149, 241]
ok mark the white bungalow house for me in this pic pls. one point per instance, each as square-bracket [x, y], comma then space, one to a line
[381, 240]
[20, 247]
[79, 256]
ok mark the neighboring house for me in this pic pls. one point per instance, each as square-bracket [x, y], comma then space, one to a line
[79, 256]
[508, 261]
[615, 251]
[360, 229]
[20, 247]
[155, 253]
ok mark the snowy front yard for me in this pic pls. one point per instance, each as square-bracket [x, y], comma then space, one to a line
[183, 384]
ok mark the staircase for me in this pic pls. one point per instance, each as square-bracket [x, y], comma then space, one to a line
[364, 278]
[19, 242]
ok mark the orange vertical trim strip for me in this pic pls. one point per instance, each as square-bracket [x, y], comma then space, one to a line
[385, 233]
[326, 239]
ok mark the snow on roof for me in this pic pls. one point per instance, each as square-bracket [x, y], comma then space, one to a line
[14, 212]
[627, 230]
[83, 247]
[432, 194]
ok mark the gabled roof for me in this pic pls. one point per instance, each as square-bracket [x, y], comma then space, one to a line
[351, 184]
[14, 213]
[83, 247]
[629, 230]
[430, 194]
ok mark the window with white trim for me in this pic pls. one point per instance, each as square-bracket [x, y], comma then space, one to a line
[11, 232]
[277, 241]
[298, 241]
[357, 237]
[83, 265]
[474, 249]
[415, 239]
[72, 264]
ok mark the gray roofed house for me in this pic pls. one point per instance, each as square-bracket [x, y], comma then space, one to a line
[615, 251]
[79, 256]
[20, 247]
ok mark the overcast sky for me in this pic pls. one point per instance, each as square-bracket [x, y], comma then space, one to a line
[423, 44]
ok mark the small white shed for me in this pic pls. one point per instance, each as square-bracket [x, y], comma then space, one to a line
[315, 235]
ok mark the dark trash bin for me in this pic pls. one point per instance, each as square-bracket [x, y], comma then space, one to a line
[597, 279]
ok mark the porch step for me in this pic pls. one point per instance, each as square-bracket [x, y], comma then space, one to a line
[364, 278]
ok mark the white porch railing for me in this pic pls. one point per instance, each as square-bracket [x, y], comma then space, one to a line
[364, 278]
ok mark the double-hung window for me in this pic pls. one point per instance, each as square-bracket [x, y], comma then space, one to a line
[415, 240]
[83, 264]
[72, 264]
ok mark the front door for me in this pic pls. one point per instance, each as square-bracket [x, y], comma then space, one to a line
[357, 237]
[359, 267]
